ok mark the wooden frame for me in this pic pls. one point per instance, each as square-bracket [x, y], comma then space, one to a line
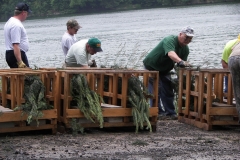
[208, 86]
[96, 82]
[14, 93]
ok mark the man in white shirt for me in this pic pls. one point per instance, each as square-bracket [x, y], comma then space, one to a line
[16, 40]
[69, 38]
[80, 52]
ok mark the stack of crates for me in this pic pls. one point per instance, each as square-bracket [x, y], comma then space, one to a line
[116, 110]
[12, 92]
[202, 101]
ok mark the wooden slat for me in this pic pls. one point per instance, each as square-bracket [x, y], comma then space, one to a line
[28, 128]
[223, 111]
[19, 116]
[206, 113]
[110, 112]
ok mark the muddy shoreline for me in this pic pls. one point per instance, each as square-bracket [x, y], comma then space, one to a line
[172, 140]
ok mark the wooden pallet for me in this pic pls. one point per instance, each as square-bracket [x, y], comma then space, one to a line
[14, 121]
[204, 105]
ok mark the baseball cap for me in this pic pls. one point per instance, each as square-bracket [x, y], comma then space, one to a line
[73, 24]
[188, 31]
[23, 7]
[95, 44]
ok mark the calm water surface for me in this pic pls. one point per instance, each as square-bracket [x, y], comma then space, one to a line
[126, 36]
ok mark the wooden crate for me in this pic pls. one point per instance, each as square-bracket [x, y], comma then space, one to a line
[13, 121]
[12, 91]
[188, 94]
[204, 105]
[96, 80]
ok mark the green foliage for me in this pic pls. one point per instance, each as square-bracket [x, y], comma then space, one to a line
[56, 7]
[34, 99]
[6, 8]
[80, 3]
[139, 104]
[76, 127]
[87, 100]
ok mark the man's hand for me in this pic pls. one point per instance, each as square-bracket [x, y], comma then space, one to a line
[183, 64]
[94, 64]
[21, 64]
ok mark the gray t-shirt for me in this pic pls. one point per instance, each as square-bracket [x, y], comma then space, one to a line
[67, 41]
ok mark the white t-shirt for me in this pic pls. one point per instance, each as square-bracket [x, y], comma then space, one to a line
[77, 53]
[67, 41]
[14, 32]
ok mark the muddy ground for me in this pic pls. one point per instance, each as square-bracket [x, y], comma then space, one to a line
[172, 140]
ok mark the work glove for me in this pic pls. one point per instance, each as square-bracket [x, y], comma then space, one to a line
[183, 64]
[93, 64]
[21, 64]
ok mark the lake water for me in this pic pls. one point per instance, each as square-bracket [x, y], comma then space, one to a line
[128, 35]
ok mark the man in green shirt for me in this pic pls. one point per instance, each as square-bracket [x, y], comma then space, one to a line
[172, 49]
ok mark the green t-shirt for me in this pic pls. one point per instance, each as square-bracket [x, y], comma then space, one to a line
[228, 49]
[158, 59]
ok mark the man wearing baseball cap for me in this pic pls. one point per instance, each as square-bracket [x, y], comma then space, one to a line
[69, 38]
[16, 40]
[172, 49]
[80, 52]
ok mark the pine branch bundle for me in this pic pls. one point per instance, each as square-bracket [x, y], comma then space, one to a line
[76, 127]
[87, 100]
[140, 106]
[34, 97]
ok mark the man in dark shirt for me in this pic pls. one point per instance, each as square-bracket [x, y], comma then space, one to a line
[172, 49]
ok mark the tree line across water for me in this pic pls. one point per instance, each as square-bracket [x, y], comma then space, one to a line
[43, 8]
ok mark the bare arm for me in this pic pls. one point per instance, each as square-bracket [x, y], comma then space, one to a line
[17, 51]
[224, 64]
[174, 56]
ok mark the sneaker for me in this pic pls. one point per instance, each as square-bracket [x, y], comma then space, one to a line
[167, 117]
[173, 117]
[162, 117]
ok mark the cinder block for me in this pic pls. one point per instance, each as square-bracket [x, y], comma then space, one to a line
[114, 119]
[83, 120]
[41, 122]
[7, 125]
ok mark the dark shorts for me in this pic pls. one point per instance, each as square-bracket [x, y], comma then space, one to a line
[12, 61]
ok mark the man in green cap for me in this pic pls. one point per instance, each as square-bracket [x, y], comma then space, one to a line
[80, 53]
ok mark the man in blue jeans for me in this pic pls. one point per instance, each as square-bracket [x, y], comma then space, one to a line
[172, 49]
